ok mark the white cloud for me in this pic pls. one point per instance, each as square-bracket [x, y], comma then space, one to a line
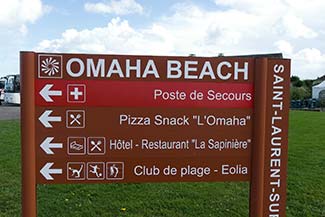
[15, 17]
[239, 27]
[309, 62]
[291, 17]
[119, 7]
[19, 12]
[23, 29]
[295, 27]
[268, 7]
[117, 37]
[285, 47]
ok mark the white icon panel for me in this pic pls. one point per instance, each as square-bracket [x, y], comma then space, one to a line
[114, 170]
[76, 145]
[75, 119]
[95, 171]
[76, 171]
[49, 66]
[96, 145]
[76, 93]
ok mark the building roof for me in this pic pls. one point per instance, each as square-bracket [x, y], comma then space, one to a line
[320, 85]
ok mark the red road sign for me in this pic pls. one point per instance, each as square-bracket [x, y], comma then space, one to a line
[114, 118]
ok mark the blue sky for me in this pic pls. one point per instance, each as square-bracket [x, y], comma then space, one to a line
[169, 27]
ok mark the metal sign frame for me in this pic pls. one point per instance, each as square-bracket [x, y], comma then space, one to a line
[269, 149]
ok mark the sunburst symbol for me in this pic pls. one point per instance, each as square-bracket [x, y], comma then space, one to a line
[50, 66]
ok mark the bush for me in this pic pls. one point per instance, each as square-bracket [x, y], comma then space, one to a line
[299, 93]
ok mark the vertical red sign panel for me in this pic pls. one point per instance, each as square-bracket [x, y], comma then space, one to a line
[270, 150]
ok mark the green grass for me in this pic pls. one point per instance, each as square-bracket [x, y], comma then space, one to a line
[306, 184]
[306, 173]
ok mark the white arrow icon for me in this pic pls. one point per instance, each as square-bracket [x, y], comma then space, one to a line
[47, 145]
[46, 93]
[46, 171]
[45, 119]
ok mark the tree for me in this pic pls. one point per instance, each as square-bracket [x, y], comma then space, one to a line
[296, 82]
[298, 93]
[294, 79]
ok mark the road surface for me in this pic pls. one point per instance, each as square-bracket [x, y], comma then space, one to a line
[9, 112]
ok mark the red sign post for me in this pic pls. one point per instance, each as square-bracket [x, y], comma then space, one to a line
[114, 118]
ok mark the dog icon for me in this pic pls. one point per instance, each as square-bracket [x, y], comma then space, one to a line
[76, 171]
